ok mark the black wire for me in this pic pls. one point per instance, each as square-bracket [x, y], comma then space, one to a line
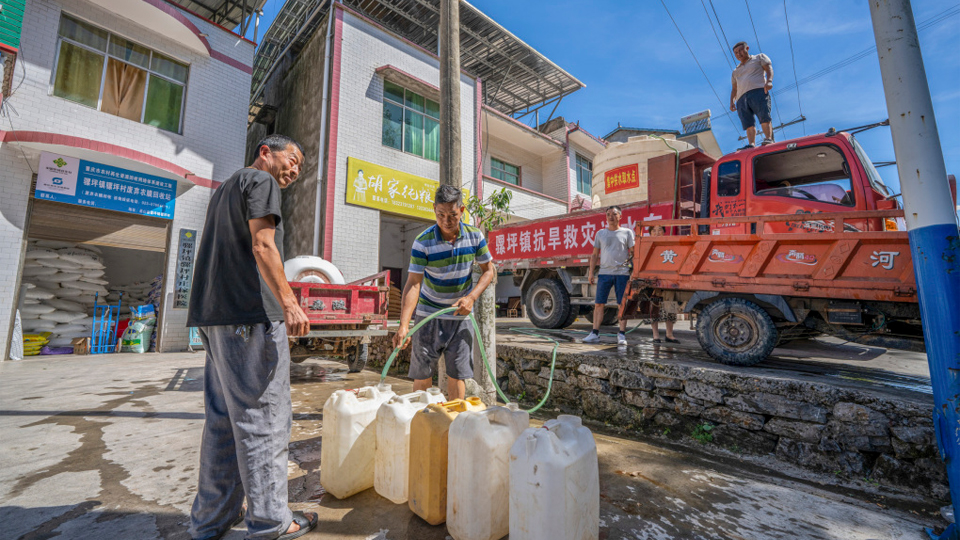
[725, 40]
[725, 52]
[935, 20]
[698, 63]
[793, 60]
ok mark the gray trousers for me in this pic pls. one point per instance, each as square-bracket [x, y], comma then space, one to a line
[246, 431]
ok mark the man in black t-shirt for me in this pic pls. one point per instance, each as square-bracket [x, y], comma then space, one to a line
[245, 310]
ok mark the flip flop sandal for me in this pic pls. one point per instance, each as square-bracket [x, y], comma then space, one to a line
[306, 525]
[669, 340]
[656, 341]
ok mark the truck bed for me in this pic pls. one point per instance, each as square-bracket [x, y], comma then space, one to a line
[836, 264]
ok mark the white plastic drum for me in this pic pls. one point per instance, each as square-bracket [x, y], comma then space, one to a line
[310, 269]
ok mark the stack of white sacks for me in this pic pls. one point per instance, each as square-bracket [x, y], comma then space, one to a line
[62, 282]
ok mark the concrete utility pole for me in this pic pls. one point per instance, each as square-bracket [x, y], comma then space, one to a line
[931, 221]
[450, 93]
[451, 173]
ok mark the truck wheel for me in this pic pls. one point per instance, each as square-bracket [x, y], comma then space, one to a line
[736, 332]
[358, 359]
[548, 304]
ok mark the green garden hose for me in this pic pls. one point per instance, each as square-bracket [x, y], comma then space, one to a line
[483, 355]
[483, 352]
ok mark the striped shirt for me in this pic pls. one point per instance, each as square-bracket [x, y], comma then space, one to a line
[447, 267]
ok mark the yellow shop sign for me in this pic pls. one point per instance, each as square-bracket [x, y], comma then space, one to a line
[376, 186]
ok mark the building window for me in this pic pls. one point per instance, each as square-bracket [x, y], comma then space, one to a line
[411, 122]
[117, 76]
[584, 174]
[504, 171]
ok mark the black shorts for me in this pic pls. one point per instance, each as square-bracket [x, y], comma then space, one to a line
[452, 338]
[754, 102]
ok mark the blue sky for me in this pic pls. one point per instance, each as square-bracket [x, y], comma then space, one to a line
[638, 71]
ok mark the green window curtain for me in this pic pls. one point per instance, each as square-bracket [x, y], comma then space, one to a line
[431, 146]
[169, 67]
[433, 109]
[83, 33]
[413, 132]
[414, 101]
[164, 103]
[392, 92]
[79, 73]
[392, 125]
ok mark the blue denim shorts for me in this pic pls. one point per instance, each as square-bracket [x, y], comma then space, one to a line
[754, 102]
[605, 281]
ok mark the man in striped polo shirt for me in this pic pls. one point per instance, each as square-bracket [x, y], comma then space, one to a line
[441, 276]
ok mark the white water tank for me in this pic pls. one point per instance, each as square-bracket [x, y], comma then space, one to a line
[349, 442]
[392, 463]
[555, 483]
[629, 158]
[478, 472]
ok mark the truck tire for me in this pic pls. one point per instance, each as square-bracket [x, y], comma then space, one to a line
[548, 304]
[736, 332]
[358, 360]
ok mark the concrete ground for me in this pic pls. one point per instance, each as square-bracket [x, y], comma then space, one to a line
[98, 447]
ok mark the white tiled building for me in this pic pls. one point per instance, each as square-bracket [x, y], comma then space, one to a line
[363, 87]
[170, 103]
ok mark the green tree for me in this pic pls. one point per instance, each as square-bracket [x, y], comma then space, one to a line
[490, 213]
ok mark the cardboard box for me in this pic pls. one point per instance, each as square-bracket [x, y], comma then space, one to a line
[81, 345]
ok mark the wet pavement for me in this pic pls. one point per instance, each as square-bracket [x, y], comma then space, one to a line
[826, 357]
[106, 446]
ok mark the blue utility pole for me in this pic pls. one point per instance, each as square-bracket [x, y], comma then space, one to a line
[930, 213]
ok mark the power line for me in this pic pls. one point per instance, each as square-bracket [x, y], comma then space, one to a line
[793, 60]
[722, 50]
[929, 23]
[698, 62]
[725, 40]
[760, 48]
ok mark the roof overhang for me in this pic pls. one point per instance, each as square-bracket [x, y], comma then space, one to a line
[162, 18]
[518, 135]
[586, 140]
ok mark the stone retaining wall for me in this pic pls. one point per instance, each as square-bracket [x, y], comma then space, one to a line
[850, 431]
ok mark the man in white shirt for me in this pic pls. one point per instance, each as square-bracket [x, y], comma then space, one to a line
[612, 247]
[752, 81]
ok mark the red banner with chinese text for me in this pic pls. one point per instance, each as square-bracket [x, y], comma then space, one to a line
[621, 178]
[571, 236]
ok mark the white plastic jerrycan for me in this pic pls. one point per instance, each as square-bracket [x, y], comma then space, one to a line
[478, 474]
[350, 439]
[392, 469]
[555, 483]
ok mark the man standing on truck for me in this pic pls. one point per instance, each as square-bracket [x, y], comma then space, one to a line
[245, 310]
[752, 81]
[441, 276]
[614, 247]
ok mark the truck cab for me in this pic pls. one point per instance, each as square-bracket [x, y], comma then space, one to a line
[822, 173]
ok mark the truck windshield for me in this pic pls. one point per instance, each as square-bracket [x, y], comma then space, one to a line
[815, 173]
[875, 181]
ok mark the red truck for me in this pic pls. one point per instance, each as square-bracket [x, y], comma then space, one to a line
[822, 251]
